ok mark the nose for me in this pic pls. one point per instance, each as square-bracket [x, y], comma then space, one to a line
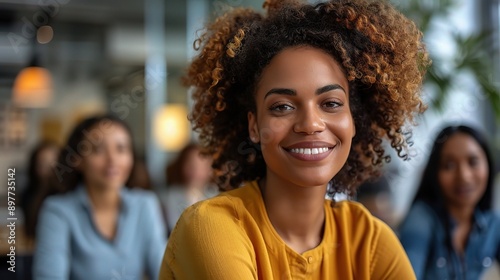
[309, 120]
[111, 157]
[464, 173]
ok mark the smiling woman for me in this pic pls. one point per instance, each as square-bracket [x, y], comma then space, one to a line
[98, 228]
[314, 106]
[450, 231]
[293, 105]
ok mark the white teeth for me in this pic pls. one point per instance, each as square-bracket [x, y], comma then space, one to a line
[308, 151]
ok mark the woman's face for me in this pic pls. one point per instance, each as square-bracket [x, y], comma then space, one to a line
[197, 169]
[303, 120]
[46, 161]
[108, 163]
[463, 171]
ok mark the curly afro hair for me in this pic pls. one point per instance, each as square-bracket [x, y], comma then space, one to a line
[380, 50]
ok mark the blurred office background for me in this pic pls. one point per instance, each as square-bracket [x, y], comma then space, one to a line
[126, 57]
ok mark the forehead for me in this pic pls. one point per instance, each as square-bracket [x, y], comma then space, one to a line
[462, 145]
[294, 64]
[108, 131]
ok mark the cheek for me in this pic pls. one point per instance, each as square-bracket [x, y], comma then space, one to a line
[343, 127]
[272, 129]
[482, 175]
[127, 161]
[445, 180]
[93, 162]
[90, 166]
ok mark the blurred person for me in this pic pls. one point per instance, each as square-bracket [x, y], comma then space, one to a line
[450, 231]
[99, 229]
[189, 180]
[376, 197]
[293, 105]
[139, 176]
[40, 184]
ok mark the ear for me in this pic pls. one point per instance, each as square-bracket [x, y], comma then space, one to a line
[353, 127]
[253, 129]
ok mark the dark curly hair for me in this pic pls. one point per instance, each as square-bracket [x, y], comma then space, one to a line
[381, 53]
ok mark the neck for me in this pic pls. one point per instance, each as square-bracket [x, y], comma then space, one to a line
[195, 186]
[104, 198]
[296, 212]
[462, 215]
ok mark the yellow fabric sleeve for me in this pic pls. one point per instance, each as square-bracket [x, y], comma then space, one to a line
[389, 260]
[209, 245]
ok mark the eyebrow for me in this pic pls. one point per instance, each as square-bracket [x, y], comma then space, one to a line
[291, 92]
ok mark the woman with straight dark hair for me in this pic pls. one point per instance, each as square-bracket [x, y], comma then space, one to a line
[189, 180]
[99, 229]
[40, 184]
[450, 231]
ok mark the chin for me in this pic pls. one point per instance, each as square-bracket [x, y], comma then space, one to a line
[466, 203]
[113, 185]
[309, 181]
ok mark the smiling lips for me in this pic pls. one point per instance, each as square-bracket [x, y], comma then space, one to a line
[464, 191]
[310, 151]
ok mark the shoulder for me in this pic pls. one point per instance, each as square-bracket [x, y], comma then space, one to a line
[489, 219]
[352, 211]
[420, 217]
[210, 240]
[492, 216]
[365, 233]
[223, 207]
[61, 207]
[233, 204]
[421, 209]
[209, 216]
[205, 224]
[351, 207]
[355, 217]
[140, 197]
[143, 204]
[66, 202]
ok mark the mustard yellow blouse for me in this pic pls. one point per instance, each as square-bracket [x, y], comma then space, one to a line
[230, 237]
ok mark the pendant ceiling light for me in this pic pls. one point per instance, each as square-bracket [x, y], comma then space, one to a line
[33, 86]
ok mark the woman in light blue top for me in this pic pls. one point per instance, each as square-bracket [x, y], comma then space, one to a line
[99, 229]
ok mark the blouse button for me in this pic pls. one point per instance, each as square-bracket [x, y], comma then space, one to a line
[310, 259]
[487, 262]
[441, 262]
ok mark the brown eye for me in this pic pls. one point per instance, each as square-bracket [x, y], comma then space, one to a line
[448, 165]
[329, 105]
[98, 149]
[280, 107]
[122, 148]
[473, 161]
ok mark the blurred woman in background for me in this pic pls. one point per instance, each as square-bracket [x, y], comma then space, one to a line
[99, 229]
[189, 180]
[40, 184]
[450, 231]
